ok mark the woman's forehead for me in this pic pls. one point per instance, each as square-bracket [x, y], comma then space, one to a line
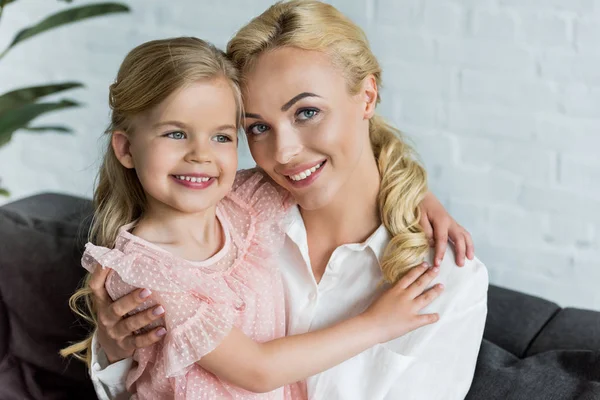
[288, 72]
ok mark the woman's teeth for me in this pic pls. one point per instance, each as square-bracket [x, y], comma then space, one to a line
[192, 179]
[305, 174]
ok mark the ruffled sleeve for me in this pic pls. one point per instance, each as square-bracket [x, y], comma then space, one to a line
[204, 326]
[260, 208]
[200, 309]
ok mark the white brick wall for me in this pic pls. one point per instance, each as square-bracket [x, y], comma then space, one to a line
[501, 98]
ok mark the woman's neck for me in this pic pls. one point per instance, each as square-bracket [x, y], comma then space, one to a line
[353, 214]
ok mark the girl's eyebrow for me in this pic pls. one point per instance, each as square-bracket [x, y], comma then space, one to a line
[184, 126]
[226, 127]
[174, 123]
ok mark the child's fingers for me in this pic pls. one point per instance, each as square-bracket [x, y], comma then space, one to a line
[411, 276]
[460, 248]
[419, 285]
[470, 246]
[425, 319]
[428, 296]
[440, 235]
[427, 228]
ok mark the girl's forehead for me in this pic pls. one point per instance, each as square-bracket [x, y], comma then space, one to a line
[199, 102]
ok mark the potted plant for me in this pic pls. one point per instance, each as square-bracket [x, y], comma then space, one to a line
[20, 107]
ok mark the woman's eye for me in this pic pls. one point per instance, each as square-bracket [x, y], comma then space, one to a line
[307, 114]
[222, 138]
[176, 135]
[258, 129]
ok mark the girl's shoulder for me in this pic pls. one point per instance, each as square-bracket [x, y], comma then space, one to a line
[255, 191]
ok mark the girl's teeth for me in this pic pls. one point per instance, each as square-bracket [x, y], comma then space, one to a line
[192, 178]
[305, 174]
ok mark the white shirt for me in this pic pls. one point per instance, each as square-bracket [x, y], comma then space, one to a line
[432, 362]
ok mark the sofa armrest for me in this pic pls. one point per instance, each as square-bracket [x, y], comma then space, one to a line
[515, 319]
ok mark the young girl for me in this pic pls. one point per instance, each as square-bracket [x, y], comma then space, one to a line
[173, 217]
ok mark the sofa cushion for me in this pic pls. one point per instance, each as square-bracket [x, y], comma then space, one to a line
[40, 250]
[515, 319]
[500, 375]
[570, 329]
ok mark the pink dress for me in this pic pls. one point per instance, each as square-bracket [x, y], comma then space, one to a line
[240, 286]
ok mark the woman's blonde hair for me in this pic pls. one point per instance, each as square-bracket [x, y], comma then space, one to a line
[313, 25]
[147, 76]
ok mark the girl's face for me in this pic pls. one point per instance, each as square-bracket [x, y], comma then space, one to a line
[304, 128]
[184, 150]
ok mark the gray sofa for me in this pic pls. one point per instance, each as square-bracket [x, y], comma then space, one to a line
[532, 348]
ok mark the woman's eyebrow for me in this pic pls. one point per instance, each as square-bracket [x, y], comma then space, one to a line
[297, 98]
[250, 115]
[287, 105]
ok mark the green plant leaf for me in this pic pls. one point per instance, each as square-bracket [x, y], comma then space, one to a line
[67, 17]
[21, 117]
[56, 128]
[20, 97]
[4, 192]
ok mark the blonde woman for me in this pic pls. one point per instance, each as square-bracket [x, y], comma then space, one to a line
[310, 89]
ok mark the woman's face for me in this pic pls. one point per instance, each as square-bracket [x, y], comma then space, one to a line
[304, 128]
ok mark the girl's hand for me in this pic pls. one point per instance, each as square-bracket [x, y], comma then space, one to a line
[439, 226]
[116, 333]
[396, 312]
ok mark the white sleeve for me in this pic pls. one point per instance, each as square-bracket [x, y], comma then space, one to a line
[445, 354]
[108, 380]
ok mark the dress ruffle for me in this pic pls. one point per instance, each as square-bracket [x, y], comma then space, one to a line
[204, 301]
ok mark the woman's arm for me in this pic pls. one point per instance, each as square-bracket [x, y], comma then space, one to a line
[114, 341]
[264, 367]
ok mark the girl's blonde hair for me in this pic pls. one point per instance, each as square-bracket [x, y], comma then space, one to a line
[147, 76]
[313, 25]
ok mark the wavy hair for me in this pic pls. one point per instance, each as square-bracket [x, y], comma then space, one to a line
[313, 25]
[147, 76]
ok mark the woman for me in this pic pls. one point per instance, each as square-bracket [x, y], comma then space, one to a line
[310, 91]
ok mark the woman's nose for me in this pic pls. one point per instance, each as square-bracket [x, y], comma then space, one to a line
[287, 146]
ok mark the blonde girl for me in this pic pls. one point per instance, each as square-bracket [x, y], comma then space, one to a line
[172, 217]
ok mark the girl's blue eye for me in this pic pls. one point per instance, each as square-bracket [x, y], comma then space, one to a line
[178, 135]
[258, 129]
[307, 114]
[222, 138]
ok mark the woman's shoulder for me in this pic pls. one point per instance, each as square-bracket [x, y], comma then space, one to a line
[463, 286]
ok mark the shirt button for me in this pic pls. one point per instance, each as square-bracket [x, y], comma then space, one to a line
[312, 296]
[97, 367]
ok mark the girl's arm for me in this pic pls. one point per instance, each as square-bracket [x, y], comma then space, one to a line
[439, 226]
[262, 367]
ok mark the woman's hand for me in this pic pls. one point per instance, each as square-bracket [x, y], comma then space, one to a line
[397, 311]
[116, 332]
[439, 226]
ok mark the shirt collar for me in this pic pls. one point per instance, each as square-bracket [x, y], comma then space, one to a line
[293, 226]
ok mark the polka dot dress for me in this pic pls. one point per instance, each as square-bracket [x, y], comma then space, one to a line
[240, 286]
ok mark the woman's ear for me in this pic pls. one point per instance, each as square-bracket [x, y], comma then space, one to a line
[370, 96]
[121, 146]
